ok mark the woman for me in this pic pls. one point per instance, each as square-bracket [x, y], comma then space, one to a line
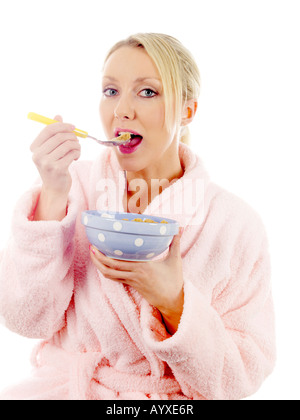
[195, 324]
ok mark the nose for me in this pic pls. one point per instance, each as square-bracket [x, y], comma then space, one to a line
[124, 110]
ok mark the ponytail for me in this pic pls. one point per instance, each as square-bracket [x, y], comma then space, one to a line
[185, 135]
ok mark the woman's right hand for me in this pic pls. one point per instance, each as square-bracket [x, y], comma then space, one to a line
[55, 148]
[53, 151]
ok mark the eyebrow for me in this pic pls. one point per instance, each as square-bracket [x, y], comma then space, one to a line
[138, 80]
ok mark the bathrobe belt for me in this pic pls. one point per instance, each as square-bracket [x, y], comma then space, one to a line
[81, 369]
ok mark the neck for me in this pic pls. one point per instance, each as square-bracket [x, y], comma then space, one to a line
[168, 172]
[143, 186]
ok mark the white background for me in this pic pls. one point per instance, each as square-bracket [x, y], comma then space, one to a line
[247, 129]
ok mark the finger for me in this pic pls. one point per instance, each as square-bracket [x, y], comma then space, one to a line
[55, 141]
[64, 149]
[58, 118]
[66, 161]
[62, 155]
[108, 272]
[119, 265]
[174, 251]
[50, 131]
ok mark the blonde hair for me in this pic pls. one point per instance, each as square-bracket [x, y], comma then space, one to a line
[177, 68]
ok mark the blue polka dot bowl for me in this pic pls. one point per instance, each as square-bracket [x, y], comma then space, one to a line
[137, 238]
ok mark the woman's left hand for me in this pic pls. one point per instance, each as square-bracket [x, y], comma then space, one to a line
[159, 282]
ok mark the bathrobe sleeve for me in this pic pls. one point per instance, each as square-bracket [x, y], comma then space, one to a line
[36, 269]
[224, 347]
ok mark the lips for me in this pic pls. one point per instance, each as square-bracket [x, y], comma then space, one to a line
[119, 130]
[132, 145]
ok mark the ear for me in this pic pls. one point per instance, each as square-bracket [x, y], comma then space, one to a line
[189, 111]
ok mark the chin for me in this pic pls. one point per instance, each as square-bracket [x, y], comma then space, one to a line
[130, 163]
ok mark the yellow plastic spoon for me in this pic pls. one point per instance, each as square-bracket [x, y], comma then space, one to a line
[117, 141]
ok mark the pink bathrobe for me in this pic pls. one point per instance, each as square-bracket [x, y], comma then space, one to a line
[101, 339]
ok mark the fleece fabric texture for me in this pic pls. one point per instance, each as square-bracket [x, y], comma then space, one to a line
[100, 339]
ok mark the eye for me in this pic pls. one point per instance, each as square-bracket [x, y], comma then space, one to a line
[148, 93]
[110, 92]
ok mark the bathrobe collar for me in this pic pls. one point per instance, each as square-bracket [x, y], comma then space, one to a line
[183, 200]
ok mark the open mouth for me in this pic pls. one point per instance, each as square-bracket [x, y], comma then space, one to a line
[132, 144]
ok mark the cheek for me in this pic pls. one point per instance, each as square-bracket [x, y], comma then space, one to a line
[101, 108]
[105, 113]
[158, 117]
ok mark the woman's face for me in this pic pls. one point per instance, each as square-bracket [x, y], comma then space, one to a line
[133, 100]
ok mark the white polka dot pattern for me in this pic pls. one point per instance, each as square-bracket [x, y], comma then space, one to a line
[163, 230]
[118, 252]
[124, 240]
[150, 255]
[139, 242]
[101, 237]
[117, 226]
[107, 216]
